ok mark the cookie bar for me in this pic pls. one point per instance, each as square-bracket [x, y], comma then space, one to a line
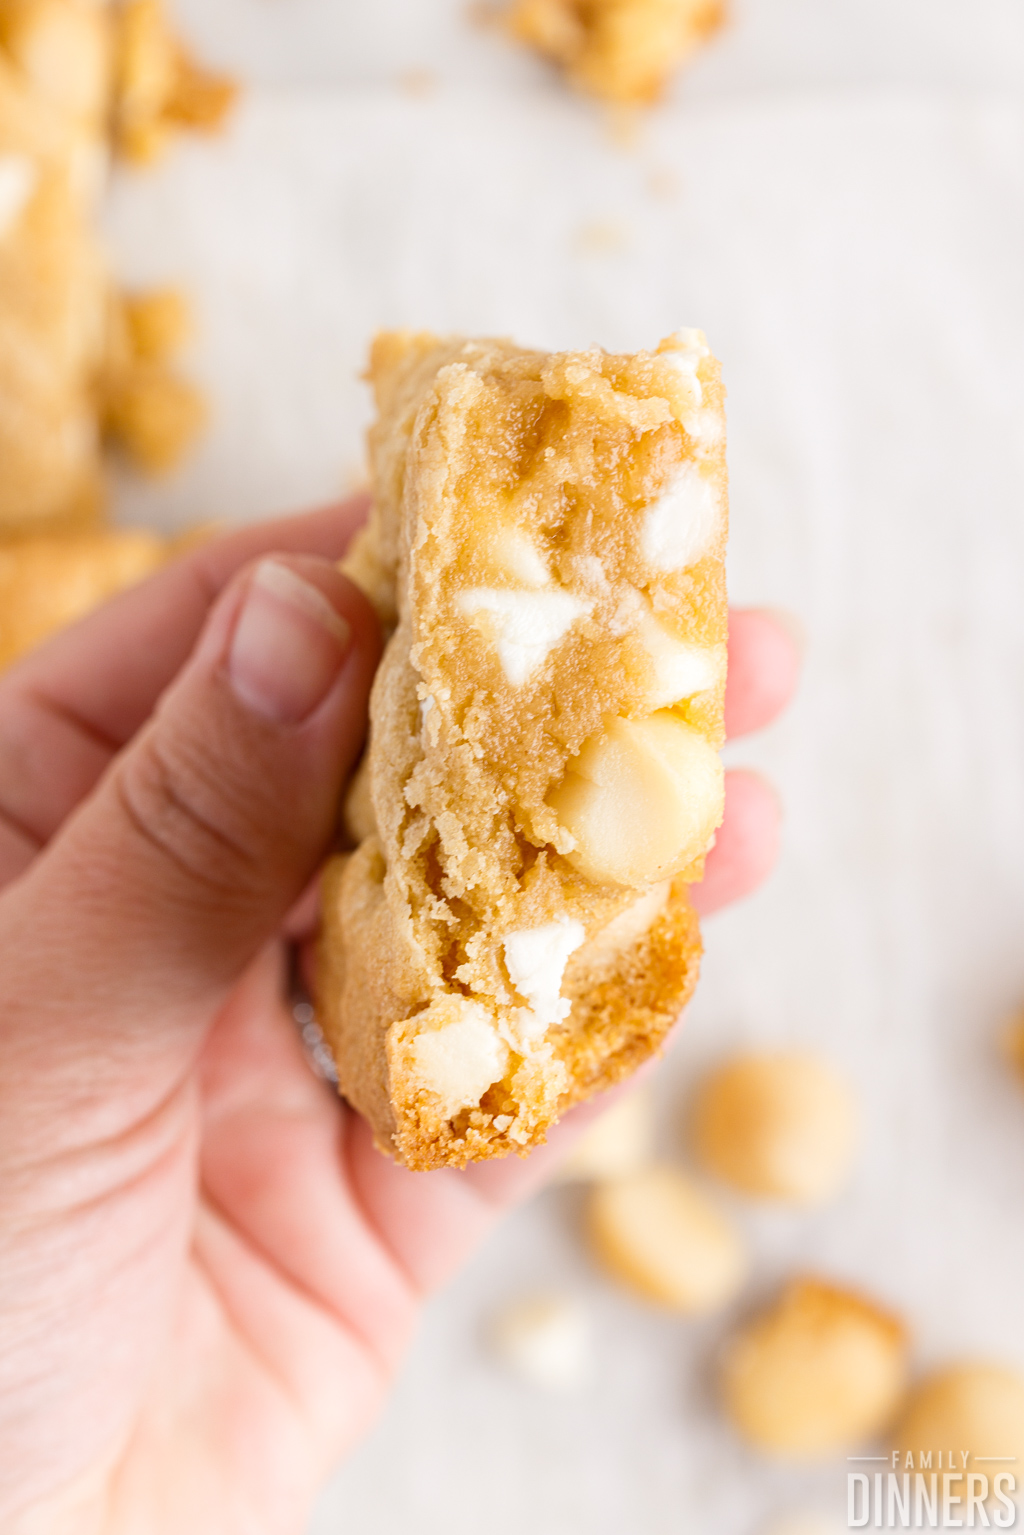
[159, 88]
[512, 932]
[622, 51]
[73, 75]
[54, 82]
[148, 409]
[49, 582]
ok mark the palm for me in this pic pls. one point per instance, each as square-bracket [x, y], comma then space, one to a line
[299, 1286]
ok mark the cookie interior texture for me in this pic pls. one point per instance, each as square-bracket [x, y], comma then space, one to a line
[512, 931]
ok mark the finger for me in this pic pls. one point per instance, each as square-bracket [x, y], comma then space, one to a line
[163, 885]
[70, 706]
[747, 843]
[431, 1222]
[765, 656]
[273, 1162]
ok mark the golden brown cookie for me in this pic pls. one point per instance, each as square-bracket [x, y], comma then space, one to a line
[622, 51]
[52, 281]
[159, 88]
[47, 583]
[73, 359]
[513, 933]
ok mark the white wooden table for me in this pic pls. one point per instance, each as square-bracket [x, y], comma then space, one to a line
[836, 194]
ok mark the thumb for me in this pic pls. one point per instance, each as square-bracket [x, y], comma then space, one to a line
[166, 882]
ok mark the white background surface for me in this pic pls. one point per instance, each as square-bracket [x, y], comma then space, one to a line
[836, 194]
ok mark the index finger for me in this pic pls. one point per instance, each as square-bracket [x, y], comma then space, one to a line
[68, 708]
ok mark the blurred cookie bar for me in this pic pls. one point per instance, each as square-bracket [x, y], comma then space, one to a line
[622, 51]
[74, 74]
[54, 84]
[49, 582]
[159, 88]
[513, 931]
[149, 410]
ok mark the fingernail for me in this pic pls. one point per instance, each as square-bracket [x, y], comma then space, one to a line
[288, 647]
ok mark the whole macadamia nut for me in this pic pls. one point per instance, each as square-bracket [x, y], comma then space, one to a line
[658, 1233]
[816, 1373]
[779, 1126]
[977, 1409]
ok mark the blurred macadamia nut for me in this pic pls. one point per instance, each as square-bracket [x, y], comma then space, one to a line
[780, 1126]
[973, 1408]
[1013, 1045]
[659, 1234]
[619, 1141]
[817, 1373]
[545, 1339]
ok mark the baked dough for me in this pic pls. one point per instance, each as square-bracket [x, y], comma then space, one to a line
[512, 931]
[75, 74]
[159, 88]
[49, 582]
[53, 286]
[622, 51]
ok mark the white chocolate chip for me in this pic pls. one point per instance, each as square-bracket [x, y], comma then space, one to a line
[524, 626]
[680, 670]
[606, 948]
[535, 959]
[460, 1059]
[684, 352]
[18, 178]
[681, 526]
[63, 53]
[706, 428]
[641, 801]
[515, 555]
[545, 1339]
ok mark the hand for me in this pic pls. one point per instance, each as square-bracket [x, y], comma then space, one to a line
[207, 1272]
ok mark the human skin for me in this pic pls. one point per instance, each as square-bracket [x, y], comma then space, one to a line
[208, 1274]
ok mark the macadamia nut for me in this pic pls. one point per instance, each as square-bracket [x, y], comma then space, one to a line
[804, 1523]
[776, 1126]
[659, 1234]
[818, 1372]
[977, 1408]
[641, 801]
[546, 1340]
